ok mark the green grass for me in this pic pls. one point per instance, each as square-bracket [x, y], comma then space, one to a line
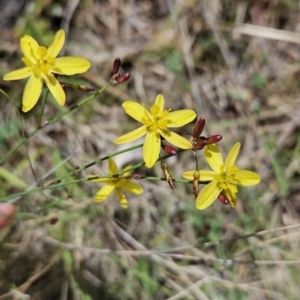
[102, 250]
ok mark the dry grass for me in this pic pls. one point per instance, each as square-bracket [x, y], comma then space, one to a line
[220, 59]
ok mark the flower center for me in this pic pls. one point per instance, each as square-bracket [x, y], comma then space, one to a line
[227, 179]
[38, 61]
[156, 120]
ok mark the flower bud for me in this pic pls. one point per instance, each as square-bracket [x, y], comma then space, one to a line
[117, 78]
[223, 199]
[137, 176]
[124, 77]
[53, 221]
[169, 149]
[213, 139]
[199, 126]
[117, 65]
[199, 143]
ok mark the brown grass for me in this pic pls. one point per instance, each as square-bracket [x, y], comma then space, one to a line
[221, 59]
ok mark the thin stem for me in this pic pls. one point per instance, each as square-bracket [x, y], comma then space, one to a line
[136, 166]
[57, 182]
[196, 158]
[32, 133]
[103, 159]
[66, 183]
[43, 108]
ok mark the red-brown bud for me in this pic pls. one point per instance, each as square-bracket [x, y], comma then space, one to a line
[53, 221]
[223, 199]
[117, 78]
[213, 139]
[169, 149]
[137, 176]
[124, 77]
[199, 143]
[199, 126]
[117, 65]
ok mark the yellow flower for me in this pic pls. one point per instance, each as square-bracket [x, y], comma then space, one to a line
[116, 184]
[224, 177]
[41, 63]
[155, 124]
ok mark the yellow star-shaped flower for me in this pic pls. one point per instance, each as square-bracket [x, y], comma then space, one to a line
[41, 63]
[116, 184]
[155, 124]
[224, 177]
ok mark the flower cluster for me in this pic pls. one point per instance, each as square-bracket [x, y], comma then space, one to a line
[222, 182]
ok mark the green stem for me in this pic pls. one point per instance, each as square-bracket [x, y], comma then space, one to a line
[57, 182]
[136, 166]
[62, 184]
[103, 159]
[43, 108]
[32, 133]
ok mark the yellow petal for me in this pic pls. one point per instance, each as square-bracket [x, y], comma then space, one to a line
[121, 197]
[151, 148]
[135, 110]
[214, 157]
[130, 186]
[112, 167]
[231, 193]
[55, 88]
[29, 47]
[57, 44]
[104, 192]
[180, 118]
[246, 178]
[131, 136]
[232, 155]
[207, 175]
[208, 195]
[175, 139]
[160, 102]
[70, 65]
[18, 74]
[100, 180]
[188, 174]
[32, 92]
